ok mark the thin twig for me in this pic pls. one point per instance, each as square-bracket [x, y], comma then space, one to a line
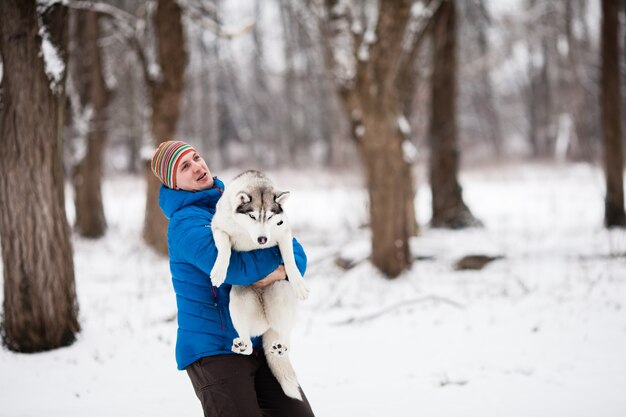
[389, 309]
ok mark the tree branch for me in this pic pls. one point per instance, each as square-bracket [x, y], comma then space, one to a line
[392, 22]
[392, 308]
[420, 26]
[127, 24]
[207, 16]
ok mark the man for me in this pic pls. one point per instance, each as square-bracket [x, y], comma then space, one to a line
[226, 383]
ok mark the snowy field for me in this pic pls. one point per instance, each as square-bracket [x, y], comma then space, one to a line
[541, 332]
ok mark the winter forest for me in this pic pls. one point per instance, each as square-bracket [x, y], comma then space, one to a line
[456, 178]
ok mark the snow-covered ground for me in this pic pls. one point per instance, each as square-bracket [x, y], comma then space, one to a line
[541, 332]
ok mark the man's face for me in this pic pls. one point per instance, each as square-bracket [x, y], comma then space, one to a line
[192, 173]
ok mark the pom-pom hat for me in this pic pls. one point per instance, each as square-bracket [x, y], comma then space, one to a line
[166, 158]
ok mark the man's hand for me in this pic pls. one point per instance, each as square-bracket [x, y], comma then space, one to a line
[278, 274]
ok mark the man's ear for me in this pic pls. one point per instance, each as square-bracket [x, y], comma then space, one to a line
[281, 197]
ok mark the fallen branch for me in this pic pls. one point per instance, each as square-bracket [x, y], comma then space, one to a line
[475, 262]
[346, 263]
[386, 310]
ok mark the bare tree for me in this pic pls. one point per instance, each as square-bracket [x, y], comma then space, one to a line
[163, 73]
[369, 49]
[293, 134]
[540, 101]
[40, 307]
[579, 89]
[611, 116]
[90, 111]
[314, 129]
[449, 210]
[166, 88]
[474, 47]
[263, 109]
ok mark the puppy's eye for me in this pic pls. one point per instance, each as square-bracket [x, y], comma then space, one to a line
[279, 223]
[252, 216]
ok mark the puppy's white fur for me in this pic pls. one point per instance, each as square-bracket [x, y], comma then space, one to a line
[250, 216]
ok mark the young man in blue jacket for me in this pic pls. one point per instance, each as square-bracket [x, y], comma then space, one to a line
[226, 383]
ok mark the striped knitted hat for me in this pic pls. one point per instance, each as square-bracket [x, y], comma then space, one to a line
[166, 158]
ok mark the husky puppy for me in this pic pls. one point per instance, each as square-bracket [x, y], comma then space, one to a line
[249, 216]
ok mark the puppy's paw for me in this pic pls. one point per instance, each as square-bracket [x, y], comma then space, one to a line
[218, 275]
[241, 346]
[278, 348]
[301, 290]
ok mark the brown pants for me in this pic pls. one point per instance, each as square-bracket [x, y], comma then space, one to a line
[242, 386]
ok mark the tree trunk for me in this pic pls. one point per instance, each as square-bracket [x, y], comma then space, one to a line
[546, 135]
[533, 108]
[485, 102]
[388, 179]
[211, 98]
[541, 133]
[291, 137]
[135, 131]
[611, 122]
[166, 93]
[40, 307]
[263, 115]
[449, 210]
[581, 100]
[94, 97]
[373, 101]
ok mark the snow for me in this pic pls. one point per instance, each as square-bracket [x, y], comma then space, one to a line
[360, 131]
[154, 69]
[54, 65]
[369, 37]
[409, 151]
[404, 125]
[541, 332]
[363, 53]
[42, 5]
[357, 27]
[562, 45]
[502, 7]
[418, 9]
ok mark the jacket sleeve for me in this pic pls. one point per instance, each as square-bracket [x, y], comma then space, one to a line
[298, 253]
[195, 245]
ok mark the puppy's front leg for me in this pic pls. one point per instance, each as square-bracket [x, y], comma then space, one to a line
[295, 278]
[222, 243]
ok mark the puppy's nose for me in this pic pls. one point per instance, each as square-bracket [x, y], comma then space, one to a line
[262, 240]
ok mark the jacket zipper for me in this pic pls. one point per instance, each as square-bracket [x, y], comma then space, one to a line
[219, 311]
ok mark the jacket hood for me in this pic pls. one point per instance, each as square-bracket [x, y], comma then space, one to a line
[171, 200]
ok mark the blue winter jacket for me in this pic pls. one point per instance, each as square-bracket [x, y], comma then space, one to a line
[204, 324]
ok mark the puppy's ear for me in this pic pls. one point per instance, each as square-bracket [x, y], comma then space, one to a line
[243, 197]
[241, 203]
[281, 196]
